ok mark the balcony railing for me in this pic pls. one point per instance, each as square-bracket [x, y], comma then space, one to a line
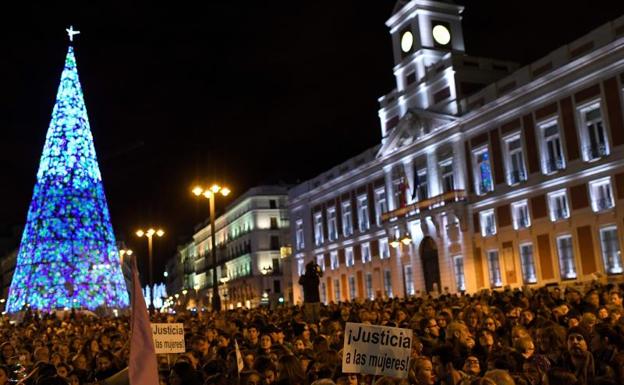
[595, 151]
[427, 204]
[516, 176]
[553, 165]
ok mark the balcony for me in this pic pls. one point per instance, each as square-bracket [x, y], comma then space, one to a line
[595, 151]
[553, 165]
[427, 204]
[516, 176]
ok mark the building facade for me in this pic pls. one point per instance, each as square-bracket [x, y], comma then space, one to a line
[252, 239]
[487, 174]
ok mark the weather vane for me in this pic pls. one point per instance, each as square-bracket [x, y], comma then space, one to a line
[71, 33]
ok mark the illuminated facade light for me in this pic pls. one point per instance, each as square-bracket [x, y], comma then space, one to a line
[68, 227]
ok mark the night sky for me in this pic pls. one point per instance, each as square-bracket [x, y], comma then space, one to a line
[242, 93]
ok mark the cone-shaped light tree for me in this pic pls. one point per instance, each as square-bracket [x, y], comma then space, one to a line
[68, 257]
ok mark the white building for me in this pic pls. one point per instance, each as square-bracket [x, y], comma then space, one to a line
[252, 239]
[486, 175]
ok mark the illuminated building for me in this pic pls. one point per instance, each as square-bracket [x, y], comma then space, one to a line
[252, 237]
[68, 257]
[487, 175]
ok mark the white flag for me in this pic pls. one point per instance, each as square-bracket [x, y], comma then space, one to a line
[239, 358]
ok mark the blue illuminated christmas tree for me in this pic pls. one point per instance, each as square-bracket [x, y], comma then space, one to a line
[68, 257]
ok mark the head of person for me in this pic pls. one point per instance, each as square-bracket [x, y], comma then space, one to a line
[577, 341]
[423, 371]
[265, 342]
[253, 333]
[459, 334]
[429, 327]
[500, 377]
[289, 369]
[472, 366]
[182, 373]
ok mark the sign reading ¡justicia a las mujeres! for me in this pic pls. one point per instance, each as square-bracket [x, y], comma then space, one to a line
[379, 350]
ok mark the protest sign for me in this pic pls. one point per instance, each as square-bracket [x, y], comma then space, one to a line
[379, 350]
[168, 338]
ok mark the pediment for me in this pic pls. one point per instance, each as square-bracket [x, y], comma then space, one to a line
[412, 126]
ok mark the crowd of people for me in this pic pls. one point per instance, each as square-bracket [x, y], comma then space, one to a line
[531, 336]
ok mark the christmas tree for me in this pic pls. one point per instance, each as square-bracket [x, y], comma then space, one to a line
[68, 257]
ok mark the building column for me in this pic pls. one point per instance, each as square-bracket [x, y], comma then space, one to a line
[408, 168]
[459, 166]
[389, 188]
[433, 178]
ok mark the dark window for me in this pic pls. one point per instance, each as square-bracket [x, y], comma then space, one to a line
[277, 286]
[410, 78]
[276, 266]
[275, 242]
[441, 95]
[273, 223]
[272, 204]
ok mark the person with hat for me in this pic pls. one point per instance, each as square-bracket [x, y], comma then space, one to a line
[577, 358]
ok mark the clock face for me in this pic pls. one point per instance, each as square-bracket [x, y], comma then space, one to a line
[407, 40]
[441, 34]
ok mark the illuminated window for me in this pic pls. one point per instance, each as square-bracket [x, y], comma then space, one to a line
[558, 202]
[347, 220]
[349, 259]
[520, 211]
[567, 266]
[366, 252]
[320, 260]
[494, 268]
[299, 234]
[528, 263]
[516, 171]
[337, 296]
[363, 221]
[369, 286]
[422, 189]
[388, 283]
[300, 266]
[593, 134]
[611, 250]
[352, 294]
[384, 248]
[483, 171]
[488, 223]
[448, 180]
[409, 280]
[332, 224]
[318, 229]
[458, 269]
[333, 257]
[601, 194]
[381, 204]
[552, 151]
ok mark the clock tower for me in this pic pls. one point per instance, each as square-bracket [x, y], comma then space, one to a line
[423, 33]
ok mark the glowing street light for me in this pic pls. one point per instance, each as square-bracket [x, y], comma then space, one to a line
[149, 234]
[123, 252]
[210, 194]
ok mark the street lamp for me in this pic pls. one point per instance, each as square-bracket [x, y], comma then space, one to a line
[123, 252]
[149, 234]
[210, 194]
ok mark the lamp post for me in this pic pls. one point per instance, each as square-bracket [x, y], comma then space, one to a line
[210, 194]
[124, 252]
[149, 234]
